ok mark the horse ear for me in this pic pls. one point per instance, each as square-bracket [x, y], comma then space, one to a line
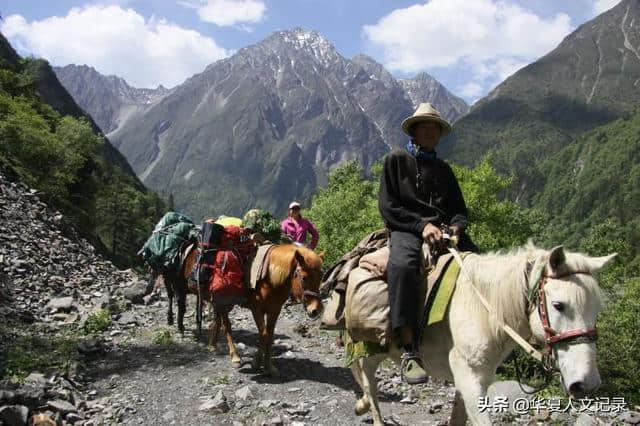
[556, 258]
[300, 258]
[598, 263]
[321, 254]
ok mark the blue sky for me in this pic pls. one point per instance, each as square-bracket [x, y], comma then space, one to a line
[468, 45]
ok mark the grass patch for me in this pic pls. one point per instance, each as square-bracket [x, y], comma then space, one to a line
[45, 354]
[219, 380]
[162, 336]
[97, 322]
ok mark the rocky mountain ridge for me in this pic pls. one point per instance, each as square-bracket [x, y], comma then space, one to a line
[108, 99]
[269, 122]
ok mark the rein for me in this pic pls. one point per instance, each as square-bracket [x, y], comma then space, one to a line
[543, 358]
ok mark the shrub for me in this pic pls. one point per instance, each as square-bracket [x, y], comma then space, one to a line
[162, 336]
[97, 322]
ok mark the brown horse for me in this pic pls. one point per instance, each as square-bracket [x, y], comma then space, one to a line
[291, 270]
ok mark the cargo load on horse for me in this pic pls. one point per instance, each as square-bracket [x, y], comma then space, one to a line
[359, 301]
[225, 254]
[262, 222]
[162, 248]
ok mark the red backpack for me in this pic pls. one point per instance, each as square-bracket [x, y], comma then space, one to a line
[227, 281]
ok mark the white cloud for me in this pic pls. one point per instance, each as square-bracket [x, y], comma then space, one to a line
[471, 90]
[226, 13]
[490, 39]
[116, 41]
[600, 6]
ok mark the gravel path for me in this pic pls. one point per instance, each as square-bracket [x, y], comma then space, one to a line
[184, 383]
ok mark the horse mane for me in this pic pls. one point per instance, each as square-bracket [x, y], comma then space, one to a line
[281, 261]
[504, 280]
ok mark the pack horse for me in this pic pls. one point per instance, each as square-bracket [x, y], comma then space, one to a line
[551, 296]
[289, 269]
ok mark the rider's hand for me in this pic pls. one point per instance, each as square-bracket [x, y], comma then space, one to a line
[431, 233]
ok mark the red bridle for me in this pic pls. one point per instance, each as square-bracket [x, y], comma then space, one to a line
[578, 335]
[305, 291]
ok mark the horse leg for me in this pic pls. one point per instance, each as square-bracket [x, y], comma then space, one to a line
[269, 366]
[182, 307]
[362, 405]
[214, 329]
[168, 285]
[472, 384]
[236, 361]
[368, 367]
[258, 317]
[458, 414]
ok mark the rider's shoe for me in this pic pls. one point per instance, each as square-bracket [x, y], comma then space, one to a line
[412, 371]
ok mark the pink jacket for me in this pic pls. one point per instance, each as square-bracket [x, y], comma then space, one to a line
[298, 231]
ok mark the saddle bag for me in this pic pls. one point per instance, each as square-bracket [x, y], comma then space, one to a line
[333, 314]
[234, 250]
[211, 237]
[227, 282]
[367, 307]
[211, 233]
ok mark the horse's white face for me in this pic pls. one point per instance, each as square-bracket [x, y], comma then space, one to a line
[573, 303]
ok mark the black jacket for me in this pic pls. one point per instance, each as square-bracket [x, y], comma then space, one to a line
[416, 190]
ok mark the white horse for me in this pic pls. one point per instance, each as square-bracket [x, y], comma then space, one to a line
[469, 344]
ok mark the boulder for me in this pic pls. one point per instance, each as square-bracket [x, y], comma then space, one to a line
[14, 415]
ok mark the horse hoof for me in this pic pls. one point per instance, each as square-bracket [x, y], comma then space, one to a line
[255, 362]
[213, 349]
[169, 321]
[236, 364]
[362, 407]
[272, 371]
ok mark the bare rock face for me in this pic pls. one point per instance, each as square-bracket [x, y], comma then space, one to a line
[423, 86]
[269, 122]
[108, 99]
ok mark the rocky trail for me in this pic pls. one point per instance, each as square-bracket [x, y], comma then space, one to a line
[104, 354]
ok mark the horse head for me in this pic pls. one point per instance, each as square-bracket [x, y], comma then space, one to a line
[564, 303]
[306, 281]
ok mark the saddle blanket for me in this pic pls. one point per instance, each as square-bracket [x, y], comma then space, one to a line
[260, 265]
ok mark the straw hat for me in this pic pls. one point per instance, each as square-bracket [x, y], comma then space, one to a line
[426, 112]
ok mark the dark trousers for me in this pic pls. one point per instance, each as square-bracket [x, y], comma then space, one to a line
[403, 275]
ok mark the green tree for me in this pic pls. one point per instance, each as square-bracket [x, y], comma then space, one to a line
[494, 223]
[345, 211]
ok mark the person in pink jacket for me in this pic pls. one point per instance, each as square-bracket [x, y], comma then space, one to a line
[296, 227]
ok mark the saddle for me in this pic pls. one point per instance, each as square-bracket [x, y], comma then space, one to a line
[363, 308]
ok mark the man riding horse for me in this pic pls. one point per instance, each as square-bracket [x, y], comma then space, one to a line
[418, 195]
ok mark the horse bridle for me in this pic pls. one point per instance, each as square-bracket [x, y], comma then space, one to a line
[551, 336]
[305, 291]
